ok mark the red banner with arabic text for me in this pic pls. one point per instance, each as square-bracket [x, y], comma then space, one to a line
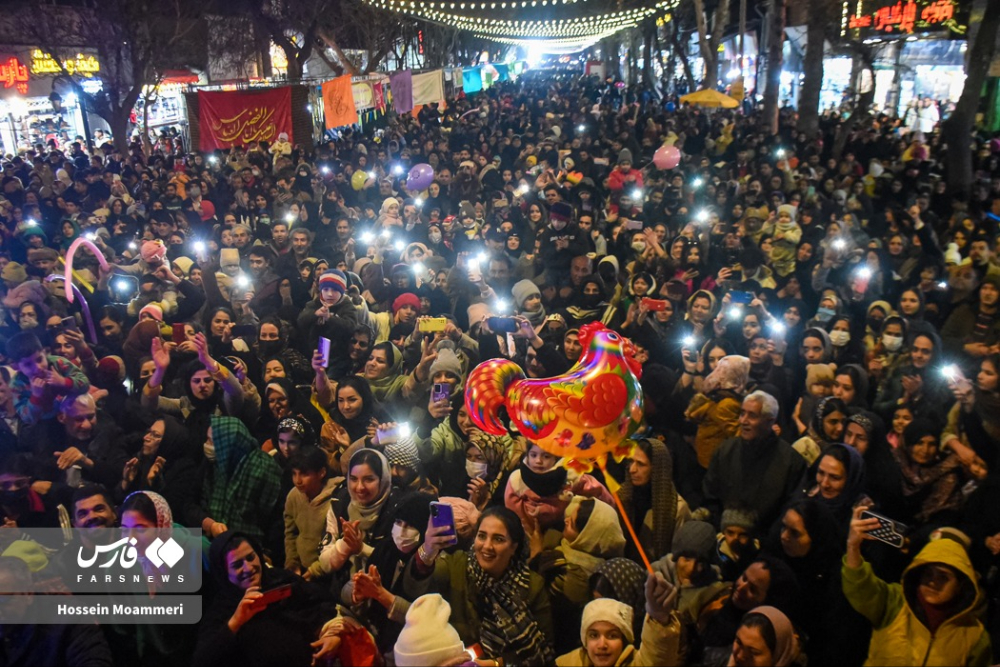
[240, 118]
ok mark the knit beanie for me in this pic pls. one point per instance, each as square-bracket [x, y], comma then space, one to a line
[153, 311]
[229, 257]
[746, 519]
[427, 638]
[819, 374]
[447, 361]
[41, 254]
[110, 372]
[466, 210]
[333, 279]
[184, 264]
[610, 611]
[561, 211]
[14, 273]
[789, 210]
[414, 508]
[406, 299]
[522, 291]
[625, 155]
[403, 453]
[153, 251]
[952, 255]
[695, 537]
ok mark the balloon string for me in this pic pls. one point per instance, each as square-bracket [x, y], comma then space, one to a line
[628, 522]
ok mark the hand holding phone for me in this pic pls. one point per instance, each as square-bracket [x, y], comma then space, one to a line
[442, 516]
[654, 305]
[502, 324]
[890, 532]
[273, 595]
[324, 349]
[441, 392]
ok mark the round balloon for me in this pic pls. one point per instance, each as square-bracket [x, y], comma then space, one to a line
[666, 157]
[420, 177]
[590, 411]
[358, 180]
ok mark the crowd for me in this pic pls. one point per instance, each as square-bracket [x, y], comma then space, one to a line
[284, 333]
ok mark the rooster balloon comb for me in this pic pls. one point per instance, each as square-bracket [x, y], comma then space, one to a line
[581, 416]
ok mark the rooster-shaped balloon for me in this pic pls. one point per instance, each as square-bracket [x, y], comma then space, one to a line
[581, 416]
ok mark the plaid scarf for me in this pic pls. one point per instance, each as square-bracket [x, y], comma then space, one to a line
[507, 624]
[245, 482]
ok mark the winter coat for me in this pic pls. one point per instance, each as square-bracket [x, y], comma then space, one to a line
[659, 647]
[901, 635]
[717, 418]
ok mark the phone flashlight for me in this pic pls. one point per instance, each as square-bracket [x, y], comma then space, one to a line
[581, 128]
[419, 269]
[122, 285]
[778, 327]
[289, 217]
[324, 170]
[418, 202]
[950, 371]
[637, 194]
[372, 174]
[942, 285]
[688, 341]
[500, 306]
[839, 244]
[702, 216]
[213, 159]
[780, 153]
[132, 245]
[399, 244]
[90, 236]
[199, 246]
[31, 222]
[367, 237]
[698, 182]
[385, 233]
[243, 281]
[735, 312]
[403, 429]
[864, 273]
[398, 169]
[482, 258]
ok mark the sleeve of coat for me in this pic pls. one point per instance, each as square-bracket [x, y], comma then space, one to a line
[660, 643]
[87, 647]
[871, 597]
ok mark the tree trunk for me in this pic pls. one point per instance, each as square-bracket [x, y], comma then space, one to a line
[812, 66]
[957, 129]
[776, 40]
[863, 101]
[118, 121]
[678, 48]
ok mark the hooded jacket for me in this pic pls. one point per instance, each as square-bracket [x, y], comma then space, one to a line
[901, 635]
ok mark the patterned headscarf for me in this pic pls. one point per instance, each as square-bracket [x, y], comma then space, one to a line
[732, 373]
[164, 517]
[494, 449]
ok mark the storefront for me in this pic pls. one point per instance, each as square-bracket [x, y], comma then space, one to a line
[34, 105]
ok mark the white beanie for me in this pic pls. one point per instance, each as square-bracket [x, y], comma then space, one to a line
[427, 638]
[610, 611]
[952, 255]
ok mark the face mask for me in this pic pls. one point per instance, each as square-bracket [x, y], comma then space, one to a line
[558, 224]
[14, 499]
[209, 449]
[475, 469]
[638, 246]
[405, 538]
[824, 314]
[434, 237]
[840, 338]
[591, 300]
[269, 347]
[875, 324]
[892, 343]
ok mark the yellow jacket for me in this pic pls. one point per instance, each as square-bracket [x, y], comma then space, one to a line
[660, 644]
[901, 637]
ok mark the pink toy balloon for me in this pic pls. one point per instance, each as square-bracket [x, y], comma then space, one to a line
[420, 177]
[68, 274]
[666, 157]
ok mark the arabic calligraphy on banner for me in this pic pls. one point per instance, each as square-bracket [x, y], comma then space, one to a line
[14, 74]
[239, 118]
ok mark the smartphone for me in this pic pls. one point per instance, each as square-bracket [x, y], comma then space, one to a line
[273, 595]
[442, 515]
[178, 336]
[244, 331]
[654, 304]
[502, 324]
[432, 324]
[324, 349]
[633, 225]
[741, 297]
[888, 531]
[69, 323]
[440, 392]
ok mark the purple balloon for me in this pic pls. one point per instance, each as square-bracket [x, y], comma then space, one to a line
[420, 177]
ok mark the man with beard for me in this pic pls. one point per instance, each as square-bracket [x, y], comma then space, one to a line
[755, 470]
[92, 513]
[79, 445]
[266, 299]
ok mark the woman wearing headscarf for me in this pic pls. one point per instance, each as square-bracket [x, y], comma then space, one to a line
[164, 464]
[354, 415]
[359, 519]
[283, 399]
[717, 408]
[377, 594]
[651, 502]
[498, 602]
[825, 427]
[932, 479]
[809, 540]
[385, 376]
[145, 517]
[837, 482]
[234, 628]
[624, 580]
[240, 483]
[765, 637]
[489, 460]
[973, 427]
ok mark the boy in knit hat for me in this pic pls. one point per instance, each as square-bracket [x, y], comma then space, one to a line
[560, 242]
[736, 547]
[528, 302]
[428, 638]
[606, 631]
[786, 234]
[332, 316]
[623, 177]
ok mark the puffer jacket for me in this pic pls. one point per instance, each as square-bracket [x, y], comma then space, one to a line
[717, 417]
[901, 636]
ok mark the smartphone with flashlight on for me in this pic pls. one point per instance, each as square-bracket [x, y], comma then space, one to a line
[954, 375]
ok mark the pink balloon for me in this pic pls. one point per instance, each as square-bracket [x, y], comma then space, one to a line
[666, 157]
[420, 177]
[68, 274]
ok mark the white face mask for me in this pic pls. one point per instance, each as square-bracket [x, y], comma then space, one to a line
[638, 246]
[475, 469]
[209, 449]
[892, 343]
[840, 338]
[406, 538]
[434, 238]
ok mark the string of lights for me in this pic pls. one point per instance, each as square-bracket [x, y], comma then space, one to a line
[578, 31]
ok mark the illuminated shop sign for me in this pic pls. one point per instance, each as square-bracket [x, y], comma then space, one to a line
[906, 17]
[14, 75]
[83, 64]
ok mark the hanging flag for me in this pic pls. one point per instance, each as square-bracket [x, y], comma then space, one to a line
[472, 80]
[379, 96]
[232, 118]
[428, 87]
[338, 102]
[401, 85]
[364, 96]
[503, 74]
